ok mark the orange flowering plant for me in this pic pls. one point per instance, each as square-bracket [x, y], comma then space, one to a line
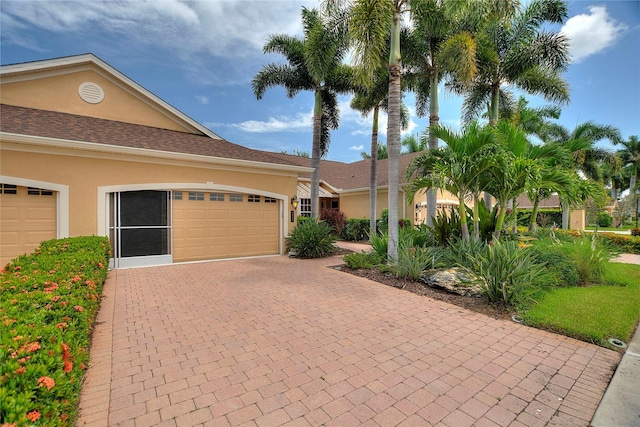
[48, 302]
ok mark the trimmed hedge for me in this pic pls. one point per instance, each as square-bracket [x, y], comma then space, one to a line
[621, 242]
[48, 303]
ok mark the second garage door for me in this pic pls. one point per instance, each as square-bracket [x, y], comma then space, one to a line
[223, 225]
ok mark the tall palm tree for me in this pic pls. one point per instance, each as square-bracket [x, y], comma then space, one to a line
[370, 24]
[512, 50]
[314, 63]
[441, 47]
[459, 167]
[631, 156]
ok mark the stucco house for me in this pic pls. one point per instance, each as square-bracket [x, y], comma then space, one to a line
[85, 150]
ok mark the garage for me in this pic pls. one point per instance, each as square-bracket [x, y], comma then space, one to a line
[27, 217]
[213, 225]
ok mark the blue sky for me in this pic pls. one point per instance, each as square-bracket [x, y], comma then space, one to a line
[201, 56]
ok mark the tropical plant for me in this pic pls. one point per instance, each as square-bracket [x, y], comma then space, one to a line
[334, 218]
[631, 156]
[382, 154]
[509, 274]
[365, 260]
[311, 239]
[356, 229]
[441, 47]
[314, 63]
[370, 24]
[379, 244]
[414, 260]
[445, 228]
[459, 167]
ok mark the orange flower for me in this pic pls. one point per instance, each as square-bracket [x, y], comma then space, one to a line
[49, 383]
[34, 346]
[62, 325]
[21, 370]
[33, 416]
[68, 366]
[78, 308]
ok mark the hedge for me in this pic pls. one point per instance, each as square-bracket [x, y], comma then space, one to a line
[624, 243]
[48, 303]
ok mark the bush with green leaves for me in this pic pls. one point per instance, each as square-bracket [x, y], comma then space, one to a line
[380, 244]
[366, 260]
[356, 229]
[445, 228]
[414, 260]
[622, 243]
[508, 273]
[311, 239]
[48, 303]
[604, 219]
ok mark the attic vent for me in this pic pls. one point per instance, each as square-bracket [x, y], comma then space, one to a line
[91, 93]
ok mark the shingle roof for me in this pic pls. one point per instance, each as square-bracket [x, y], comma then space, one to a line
[51, 124]
[552, 202]
[350, 176]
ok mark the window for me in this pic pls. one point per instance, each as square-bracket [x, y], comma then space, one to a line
[32, 191]
[270, 200]
[305, 207]
[193, 195]
[177, 195]
[335, 205]
[234, 197]
[216, 197]
[253, 198]
[8, 189]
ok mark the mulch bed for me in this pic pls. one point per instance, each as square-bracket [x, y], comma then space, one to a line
[477, 304]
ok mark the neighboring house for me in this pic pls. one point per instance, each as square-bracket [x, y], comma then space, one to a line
[345, 186]
[84, 150]
[87, 151]
[576, 216]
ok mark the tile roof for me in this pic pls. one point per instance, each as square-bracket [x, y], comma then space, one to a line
[51, 124]
[350, 176]
[552, 202]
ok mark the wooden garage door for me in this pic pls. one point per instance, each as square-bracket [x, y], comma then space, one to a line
[27, 217]
[223, 225]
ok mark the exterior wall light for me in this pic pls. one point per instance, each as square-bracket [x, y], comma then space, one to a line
[294, 202]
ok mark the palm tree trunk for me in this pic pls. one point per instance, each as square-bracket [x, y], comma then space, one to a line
[393, 135]
[462, 208]
[565, 217]
[494, 111]
[476, 218]
[500, 220]
[533, 221]
[434, 119]
[315, 154]
[373, 179]
[514, 209]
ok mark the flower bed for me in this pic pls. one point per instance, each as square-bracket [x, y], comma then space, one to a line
[48, 302]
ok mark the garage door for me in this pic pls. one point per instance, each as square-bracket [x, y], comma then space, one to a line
[223, 225]
[27, 217]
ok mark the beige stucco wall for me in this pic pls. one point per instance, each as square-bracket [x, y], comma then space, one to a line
[577, 219]
[84, 175]
[356, 204]
[60, 93]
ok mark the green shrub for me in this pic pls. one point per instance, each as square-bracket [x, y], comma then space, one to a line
[380, 244]
[334, 218]
[604, 219]
[48, 302]
[412, 260]
[624, 244]
[508, 273]
[365, 260]
[311, 239]
[445, 229]
[416, 236]
[356, 229]
[635, 231]
[382, 224]
[562, 269]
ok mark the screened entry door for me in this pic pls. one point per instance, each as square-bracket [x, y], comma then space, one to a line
[140, 228]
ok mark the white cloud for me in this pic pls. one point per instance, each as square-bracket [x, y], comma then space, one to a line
[202, 99]
[300, 123]
[357, 147]
[591, 33]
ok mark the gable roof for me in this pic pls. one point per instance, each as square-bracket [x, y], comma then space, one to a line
[108, 133]
[351, 176]
[30, 70]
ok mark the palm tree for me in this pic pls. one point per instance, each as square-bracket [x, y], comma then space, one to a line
[370, 23]
[314, 63]
[513, 51]
[441, 46]
[631, 156]
[458, 167]
[382, 153]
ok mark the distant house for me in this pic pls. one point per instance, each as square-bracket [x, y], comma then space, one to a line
[85, 150]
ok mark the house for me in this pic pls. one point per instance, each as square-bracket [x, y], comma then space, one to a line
[85, 150]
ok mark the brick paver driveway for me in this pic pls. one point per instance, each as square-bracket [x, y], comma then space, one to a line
[277, 341]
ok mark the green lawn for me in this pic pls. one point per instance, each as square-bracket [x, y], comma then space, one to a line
[594, 313]
[621, 228]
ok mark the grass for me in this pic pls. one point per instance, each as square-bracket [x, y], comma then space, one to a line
[595, 313]
[621, 228]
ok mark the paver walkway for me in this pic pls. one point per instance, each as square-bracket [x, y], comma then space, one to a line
[278, 341]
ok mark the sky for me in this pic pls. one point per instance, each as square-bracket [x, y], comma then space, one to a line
[200, 57]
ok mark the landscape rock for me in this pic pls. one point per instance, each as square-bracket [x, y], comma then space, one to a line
[455, 280]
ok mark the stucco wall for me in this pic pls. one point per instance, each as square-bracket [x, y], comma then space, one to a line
[60, 93]
[356, 205]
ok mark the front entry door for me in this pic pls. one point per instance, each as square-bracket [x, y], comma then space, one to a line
[140, 228]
